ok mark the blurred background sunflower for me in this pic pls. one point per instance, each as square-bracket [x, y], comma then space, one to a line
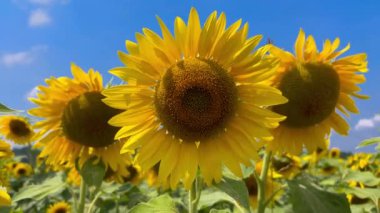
[318, 86]
[195, 99]
[74, 122]
[16, 129]
[59, 207]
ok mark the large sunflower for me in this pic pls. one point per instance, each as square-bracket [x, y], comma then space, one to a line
[74, 122]
[16, 129]
[317, 85]
[194, 99]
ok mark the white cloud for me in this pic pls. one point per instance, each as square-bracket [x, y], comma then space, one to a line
[368, 123]
[22, 57]
[32, 93]
[39, 18]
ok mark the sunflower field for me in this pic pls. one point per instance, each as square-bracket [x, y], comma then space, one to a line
[206, 119]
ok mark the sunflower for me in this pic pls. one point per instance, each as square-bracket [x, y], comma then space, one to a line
[5, 150]
[271, 187]
[16, 129]
[195, 99]
[317, 85]
[60, 207]
[334, 152]
[359, 161]
[21, 169]
[74, 124]
[5, 199]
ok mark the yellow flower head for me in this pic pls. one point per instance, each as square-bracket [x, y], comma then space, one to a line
[74, 121]
[317, 84]
[334, 152]
[5, 199]
[195, 99]
[60, 207]
[16, 129]
[21, 169]
[5, 150]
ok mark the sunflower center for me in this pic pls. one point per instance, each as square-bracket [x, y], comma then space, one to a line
[61, 210]
[19, 128]
[195, 98]
[85, 120]
[312, 90]
[21, 171]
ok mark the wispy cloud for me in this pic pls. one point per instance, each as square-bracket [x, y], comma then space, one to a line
[32, 93]
[39, 18]
[21, 57]
[368, 123]
[48, 2]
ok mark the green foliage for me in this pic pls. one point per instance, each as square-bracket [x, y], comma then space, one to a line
[93, 172]
[366, 178]
[163, 203]
[4, 108]
[306, 197]
[369, 142]
[237, 190]
[48, 187]
[373, 194]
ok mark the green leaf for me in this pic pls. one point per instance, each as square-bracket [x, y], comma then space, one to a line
[220, 211]
[237, 190]
[4, 108]
[93, 172]
[369, 142]
[163, 204]
[211, 196]
[306, 197]
[367, 178]
[38, 192]
[371, 193]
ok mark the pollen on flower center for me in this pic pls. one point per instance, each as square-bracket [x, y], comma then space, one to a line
[313, 92]
[85, 120]
[19, 128]
[195, 98]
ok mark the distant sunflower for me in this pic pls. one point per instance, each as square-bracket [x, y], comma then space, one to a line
[194, 99]
[74, 124]
[16, 129]
[5, 150]
[21, 169]
[316, 84]
[334, 152]
[60, 207]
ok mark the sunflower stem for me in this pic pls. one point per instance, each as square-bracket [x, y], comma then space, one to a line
[82, 196]
[262, 182]
[30, 155]
[195, 194]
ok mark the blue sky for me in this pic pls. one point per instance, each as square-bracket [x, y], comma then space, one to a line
[39, 39]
